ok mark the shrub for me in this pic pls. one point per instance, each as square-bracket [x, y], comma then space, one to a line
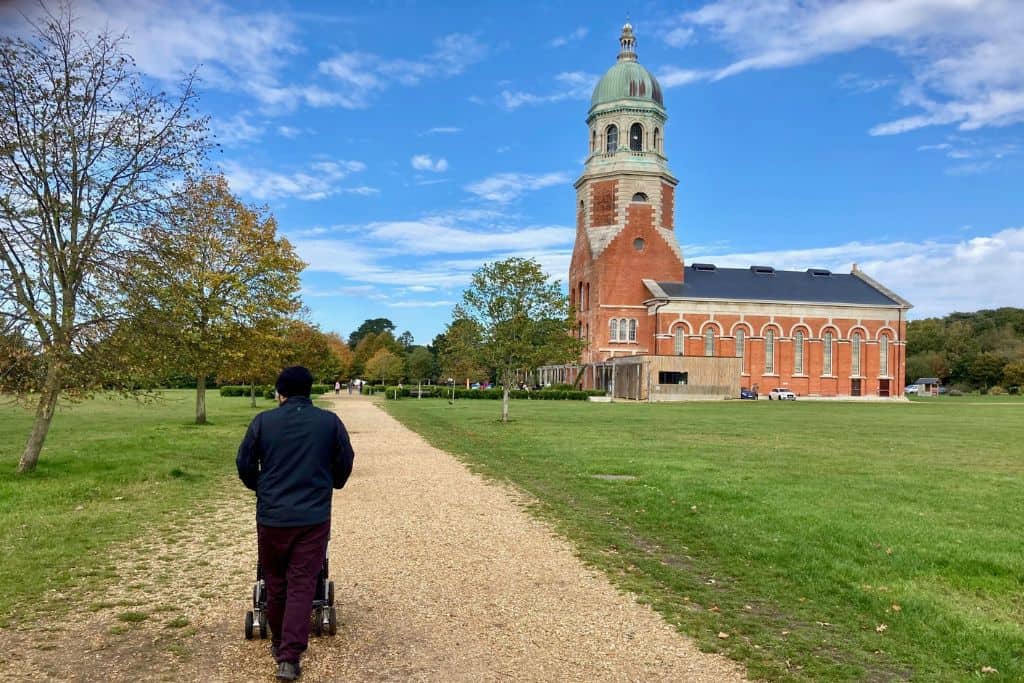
[243, 390]
[955, 392]
[997, 390]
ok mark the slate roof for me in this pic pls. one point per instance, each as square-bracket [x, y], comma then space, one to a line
[704, 281]
[927, 380]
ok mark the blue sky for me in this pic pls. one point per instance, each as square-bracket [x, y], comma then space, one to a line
[401, 145]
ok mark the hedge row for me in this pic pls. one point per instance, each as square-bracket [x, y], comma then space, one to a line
[243, 390]
[435, 391]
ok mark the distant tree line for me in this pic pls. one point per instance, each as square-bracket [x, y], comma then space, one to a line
[971, 351]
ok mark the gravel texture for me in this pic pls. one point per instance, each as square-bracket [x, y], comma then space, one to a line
[440, 576]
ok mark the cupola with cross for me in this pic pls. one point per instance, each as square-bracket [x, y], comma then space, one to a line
[625, 201]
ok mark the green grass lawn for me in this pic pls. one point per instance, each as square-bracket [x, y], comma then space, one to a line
[829, 541]
[111, 469]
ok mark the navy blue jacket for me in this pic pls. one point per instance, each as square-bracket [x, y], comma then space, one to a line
[293, 457]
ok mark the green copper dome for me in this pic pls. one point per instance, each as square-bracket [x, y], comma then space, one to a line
[627, 79]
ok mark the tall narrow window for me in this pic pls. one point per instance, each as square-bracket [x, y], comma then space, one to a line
[709, 342]
[769, 352]
[632, 330]
[741, 343]
[826, 350]
[679, 341]
[855, 354]
[579, 295]
[636, 137]
[883, 356]
[586, 299]
[798, 353]
[657, 140]
[612, 139]
[613, 330]
[593, 141]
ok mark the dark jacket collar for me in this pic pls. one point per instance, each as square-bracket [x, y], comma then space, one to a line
[296, 400]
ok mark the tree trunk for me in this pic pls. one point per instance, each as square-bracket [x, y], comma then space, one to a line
[252, 394]
[201, 400]
[44, 414]
[419, 390]
[504, 403]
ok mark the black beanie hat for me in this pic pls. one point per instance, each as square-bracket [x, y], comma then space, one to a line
[294, 381]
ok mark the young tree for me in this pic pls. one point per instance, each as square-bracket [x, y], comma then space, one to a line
[522, 318]
[211, 271]
[458, 352]
[1013, 374]
[385, 365]
[87, 154]
[405, 340]
[420, 363]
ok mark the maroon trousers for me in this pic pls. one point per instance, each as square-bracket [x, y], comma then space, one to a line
[291, 558]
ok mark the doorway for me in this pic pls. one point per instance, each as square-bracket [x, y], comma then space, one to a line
[855, 387]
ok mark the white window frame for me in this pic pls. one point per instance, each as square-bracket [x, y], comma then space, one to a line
[709, 341]
[769, 352]
[798, 352]
[855, 343]
[826, 352]
[613, 329]
[741, 343]
[883, 355]
[679, 341]
[632, 329]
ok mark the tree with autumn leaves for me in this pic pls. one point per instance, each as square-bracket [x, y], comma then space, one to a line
[214, 286]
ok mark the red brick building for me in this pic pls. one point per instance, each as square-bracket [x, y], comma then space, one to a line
[815, 332]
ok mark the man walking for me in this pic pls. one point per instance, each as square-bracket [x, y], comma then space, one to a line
[293, 456]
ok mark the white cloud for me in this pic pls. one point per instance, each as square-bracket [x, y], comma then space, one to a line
[578, 34]
[966, 56]
[971, 156]
[444, 130]
[419, 304]
[504, 187]
[364, 75]
[235, 131]
[679, 36]
[937, 276]
[672, 77]
[423, 162]
[290, 132]
[438, 235]
[318, 181]
[571, 85]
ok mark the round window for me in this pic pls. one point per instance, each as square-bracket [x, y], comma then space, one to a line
[638, 244]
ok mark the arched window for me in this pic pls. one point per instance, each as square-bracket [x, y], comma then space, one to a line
[883, 355]
[826, 350]
[679, 341]
[657, 140]
[611, 139]
[579, 296]
[709, 342]
[586, 300]
[613, 330]
[855, 354]
[798, 353]
[639, 197]
[741, 343]
[632, 330]
[636, 138]
[593, 141]
[769, 352]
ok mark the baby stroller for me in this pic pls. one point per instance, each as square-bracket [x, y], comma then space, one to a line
[324, 616]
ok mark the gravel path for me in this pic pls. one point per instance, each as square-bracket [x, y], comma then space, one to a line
[440, 576]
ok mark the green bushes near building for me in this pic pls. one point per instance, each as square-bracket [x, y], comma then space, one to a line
[441, 391]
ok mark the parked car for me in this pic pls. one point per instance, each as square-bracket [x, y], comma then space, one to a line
[781, 394]
[910, 390]
[748, 393]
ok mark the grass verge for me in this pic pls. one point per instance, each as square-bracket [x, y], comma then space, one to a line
[111, 469]
[823, 540]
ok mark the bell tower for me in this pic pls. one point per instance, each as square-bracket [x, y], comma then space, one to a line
[625, 202]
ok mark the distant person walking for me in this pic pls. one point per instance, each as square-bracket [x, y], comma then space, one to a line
[337, 387]
[292, 457]
[349, 387]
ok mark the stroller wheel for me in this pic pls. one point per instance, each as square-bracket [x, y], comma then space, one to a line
[318, 622]
[332, 621]
[330, 593]
[248, 625]
[263, 626]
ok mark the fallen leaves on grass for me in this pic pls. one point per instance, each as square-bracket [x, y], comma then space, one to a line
[881, 628]
[723, 635]
[989, 670]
